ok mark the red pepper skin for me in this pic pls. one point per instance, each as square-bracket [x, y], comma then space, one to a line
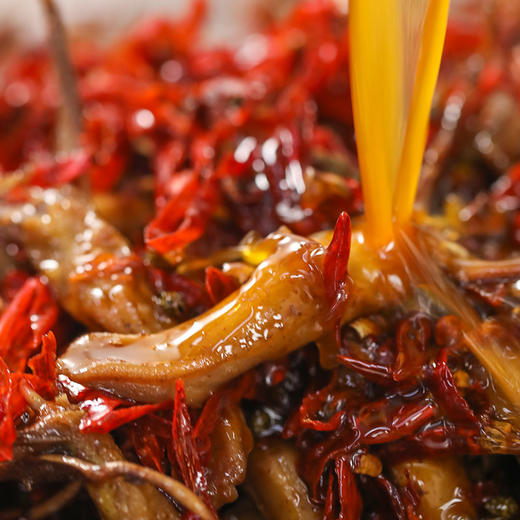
[219, 284]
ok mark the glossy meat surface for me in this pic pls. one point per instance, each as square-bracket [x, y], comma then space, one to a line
[89, 264]
[280, 307]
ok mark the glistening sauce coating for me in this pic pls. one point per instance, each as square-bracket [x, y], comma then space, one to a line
[280, 308]
[88, 262]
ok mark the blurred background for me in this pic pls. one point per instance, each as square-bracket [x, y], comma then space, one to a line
[229, 19]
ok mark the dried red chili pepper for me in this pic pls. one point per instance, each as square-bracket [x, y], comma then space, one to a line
[7, 428]
[55, 172]
[312, 403]
[150, 436]
[348, 494]
[335, 271]
[403, 505]
[185, 451]
[412, 339]
[375, 372]
[343, 501]
[219, 284]
[105, 413]
[447, 394]
[183, 218]
[12, 401]
[28, 317]
[43, 365]
[402, 422]
[193, 292]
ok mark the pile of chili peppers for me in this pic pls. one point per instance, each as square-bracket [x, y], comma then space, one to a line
[223, 142]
